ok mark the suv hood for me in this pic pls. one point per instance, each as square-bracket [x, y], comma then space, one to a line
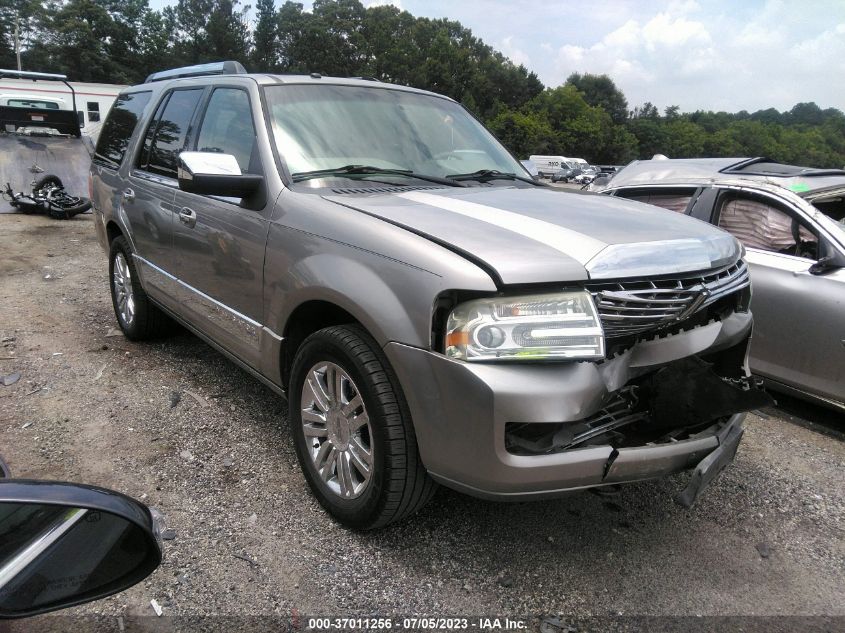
[542, 235]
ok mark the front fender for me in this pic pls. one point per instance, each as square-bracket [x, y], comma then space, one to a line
[393, 300]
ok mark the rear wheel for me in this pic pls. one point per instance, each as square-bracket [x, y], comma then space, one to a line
[353, 432]
[137, 316]
[47, 182]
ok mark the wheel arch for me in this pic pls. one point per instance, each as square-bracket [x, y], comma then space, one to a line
[308, 317]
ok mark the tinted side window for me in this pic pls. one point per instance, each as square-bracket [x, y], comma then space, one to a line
[118, 128]
[227, 126]
[172, 130]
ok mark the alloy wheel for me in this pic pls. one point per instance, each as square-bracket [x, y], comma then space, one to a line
[337, 430]
[123, 293]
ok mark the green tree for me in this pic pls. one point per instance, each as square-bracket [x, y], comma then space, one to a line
[265, 55]
[600, 91]
[523, 133]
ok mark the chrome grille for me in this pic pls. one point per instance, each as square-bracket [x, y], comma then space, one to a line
[631, 307]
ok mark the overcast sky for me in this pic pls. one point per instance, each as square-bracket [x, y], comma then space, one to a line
[707, 54]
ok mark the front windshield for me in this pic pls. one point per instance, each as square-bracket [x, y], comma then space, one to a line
[318, 127]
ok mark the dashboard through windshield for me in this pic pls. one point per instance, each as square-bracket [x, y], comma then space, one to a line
[324, 127]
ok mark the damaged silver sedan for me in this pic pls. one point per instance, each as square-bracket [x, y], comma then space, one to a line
[431, 312]
[791, 219]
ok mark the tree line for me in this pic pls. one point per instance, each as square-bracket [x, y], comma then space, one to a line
[122, 41]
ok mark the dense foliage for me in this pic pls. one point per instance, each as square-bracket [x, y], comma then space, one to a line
[121, 41]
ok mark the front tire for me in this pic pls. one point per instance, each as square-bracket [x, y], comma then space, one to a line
[353, 432]
[138, 318]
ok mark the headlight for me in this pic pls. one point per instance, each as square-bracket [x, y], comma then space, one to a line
[560, 326]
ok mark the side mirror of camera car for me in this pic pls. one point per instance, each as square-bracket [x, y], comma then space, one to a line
[65, 544]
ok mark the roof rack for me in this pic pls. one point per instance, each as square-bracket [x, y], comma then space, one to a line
[200, 70]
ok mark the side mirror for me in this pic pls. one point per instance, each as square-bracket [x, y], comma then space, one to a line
[213, 174]
[65, 544]
[831, 259]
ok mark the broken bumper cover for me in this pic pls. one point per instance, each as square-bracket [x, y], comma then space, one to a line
[460, 412]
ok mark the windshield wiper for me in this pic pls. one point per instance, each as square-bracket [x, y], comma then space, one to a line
[371, 170]
[484, 175]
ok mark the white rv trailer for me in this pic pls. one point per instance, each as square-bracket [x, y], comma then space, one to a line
[93, 100]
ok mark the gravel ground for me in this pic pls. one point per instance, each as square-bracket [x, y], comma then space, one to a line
[176, 425]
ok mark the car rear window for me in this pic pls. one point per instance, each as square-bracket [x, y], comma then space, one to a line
[27, 103]
[167, 134]
[119, 127]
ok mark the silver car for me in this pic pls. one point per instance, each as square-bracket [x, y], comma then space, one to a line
[431, 313]
[791, 220]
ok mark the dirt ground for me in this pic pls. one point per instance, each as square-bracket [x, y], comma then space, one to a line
[176, 425]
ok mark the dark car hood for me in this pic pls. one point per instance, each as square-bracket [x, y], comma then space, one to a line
[544, 235]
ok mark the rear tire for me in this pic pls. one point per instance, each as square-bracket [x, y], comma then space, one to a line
[47, 181]
[59, 212]
[397, 484]
[138, 318]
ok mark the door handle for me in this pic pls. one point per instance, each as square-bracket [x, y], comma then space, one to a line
[188, 217]
[129, 195]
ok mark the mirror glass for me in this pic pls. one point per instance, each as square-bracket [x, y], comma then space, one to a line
[53, 556]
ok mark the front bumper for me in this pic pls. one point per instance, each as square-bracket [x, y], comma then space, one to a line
[460, 411]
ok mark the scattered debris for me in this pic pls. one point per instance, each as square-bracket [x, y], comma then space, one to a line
[8, 339]
[58, 354]
[27, 425]
[175, 398]
[200, 400]
[36, 390]
[253, 519]
[168, 535]
[551, 625]
[156, 607]
[505, 581]
[764, 550]
[247, 559]
[120, 626]
[11, 379]
[760, 414]
[187, 455]
[228, 462]
[100, 373]
[113, 332]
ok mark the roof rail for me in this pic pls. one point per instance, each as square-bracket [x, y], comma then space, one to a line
[24, 74]
[214, 68]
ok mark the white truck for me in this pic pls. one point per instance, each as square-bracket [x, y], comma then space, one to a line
[52, 93]
[548, 165]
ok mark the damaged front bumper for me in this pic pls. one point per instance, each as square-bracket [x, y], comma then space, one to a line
[465, 415]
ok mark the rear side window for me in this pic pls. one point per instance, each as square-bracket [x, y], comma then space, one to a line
[119, 127]
[671, 199]
[227, 126]
[167, 139]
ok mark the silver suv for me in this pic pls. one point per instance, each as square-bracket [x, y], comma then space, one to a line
[431, 313]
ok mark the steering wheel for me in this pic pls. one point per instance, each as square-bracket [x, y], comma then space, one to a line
[803, 248]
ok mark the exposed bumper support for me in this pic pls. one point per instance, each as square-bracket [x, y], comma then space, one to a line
[460, 411]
